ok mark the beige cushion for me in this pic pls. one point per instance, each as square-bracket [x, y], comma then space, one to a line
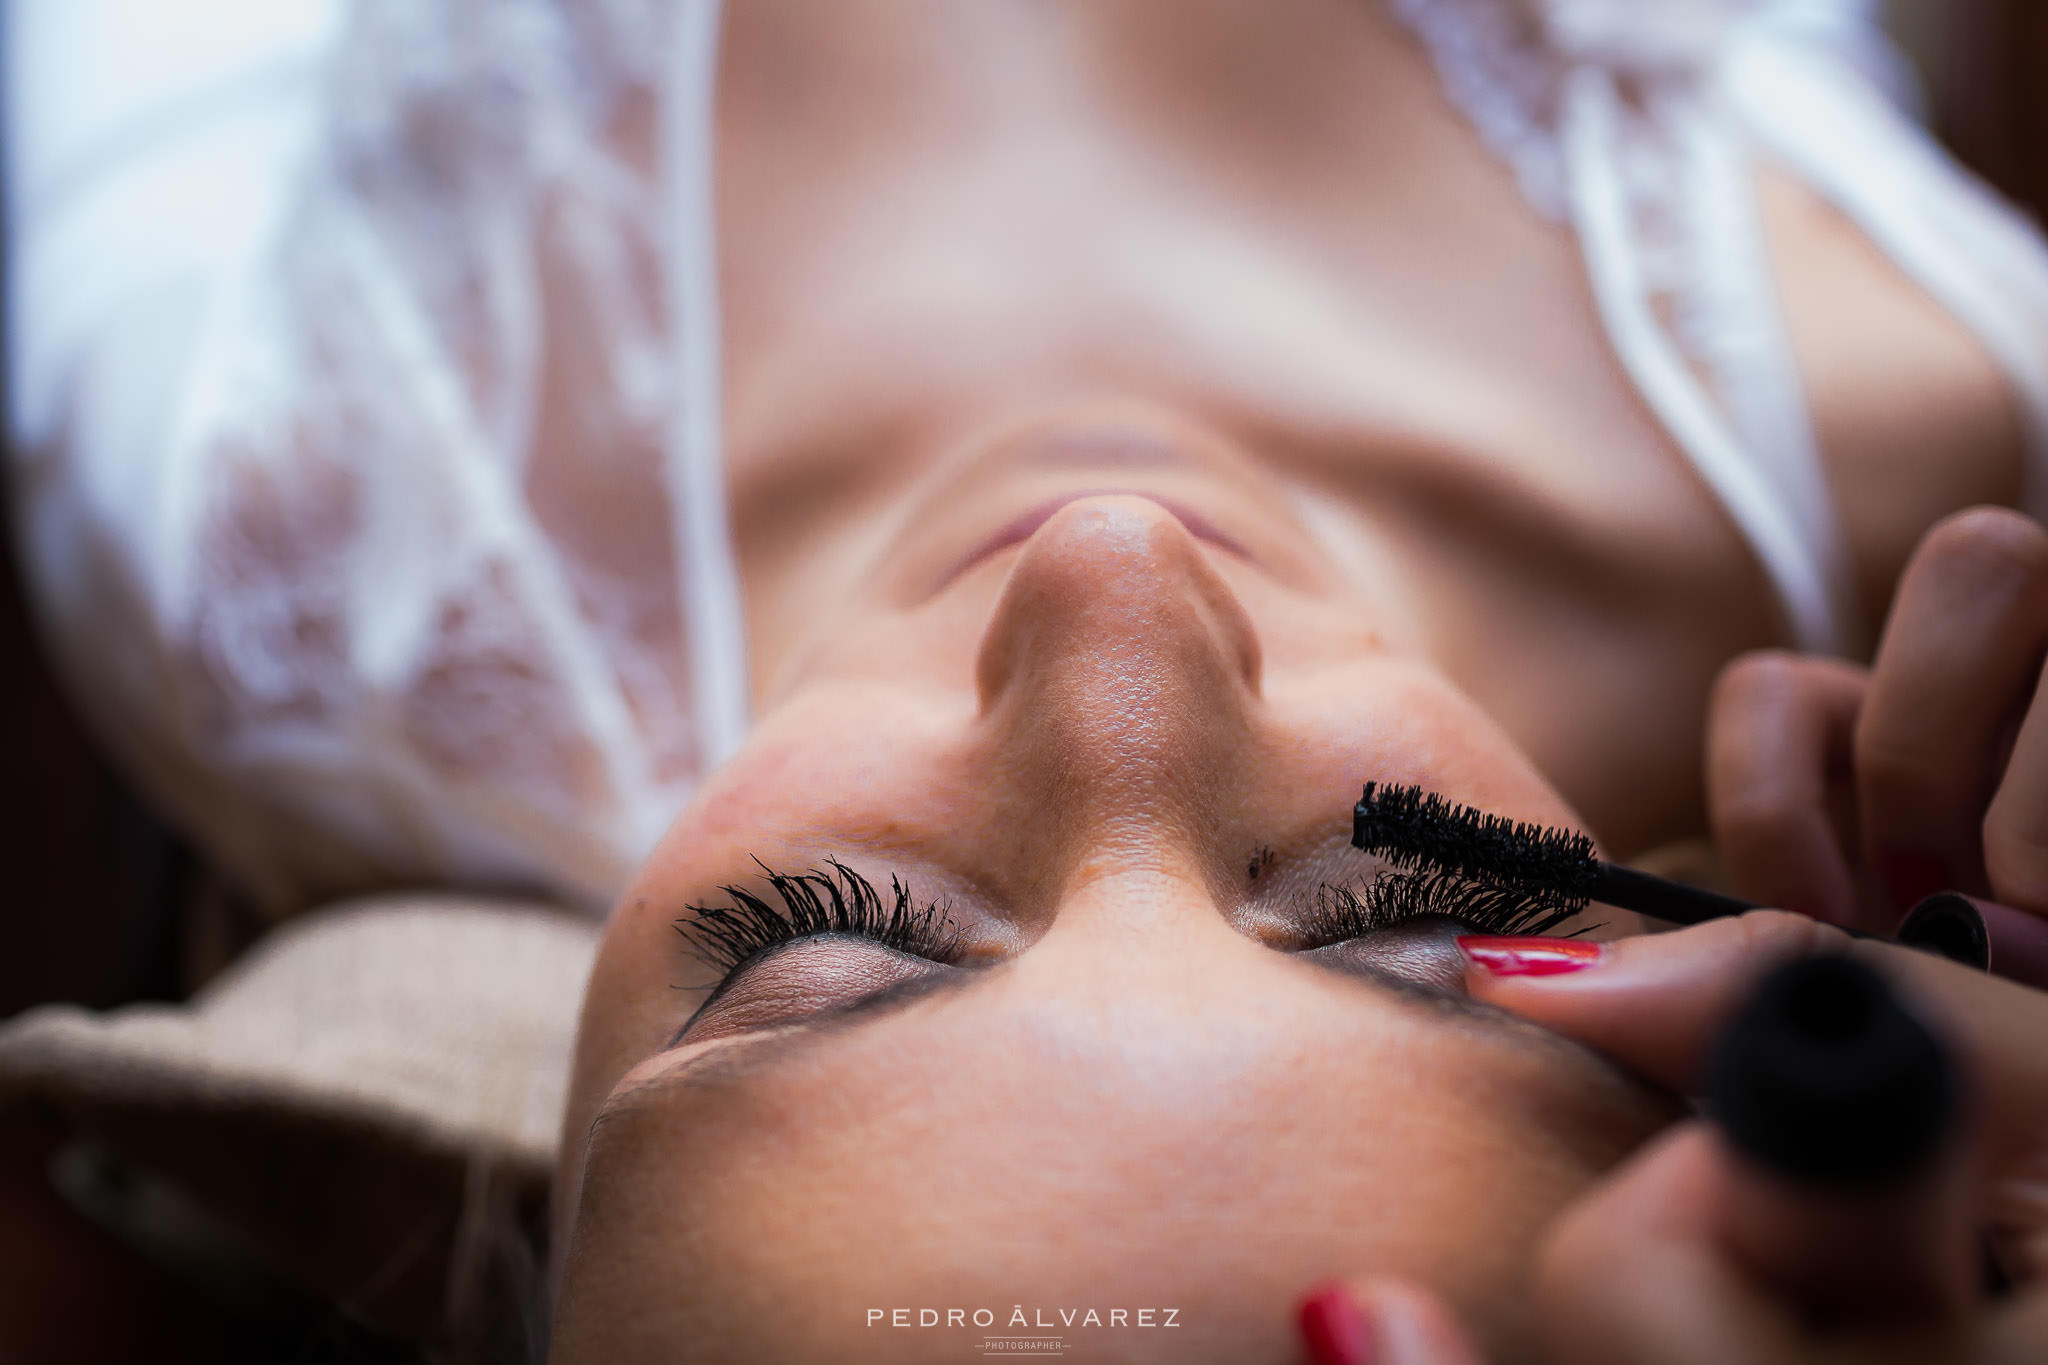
[369, 1100]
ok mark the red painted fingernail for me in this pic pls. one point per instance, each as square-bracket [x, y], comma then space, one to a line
[1911, 877]
[1529, 956]
[1334, 1327]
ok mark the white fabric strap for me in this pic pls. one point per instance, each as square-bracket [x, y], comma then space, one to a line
[1660, 187]
[1756, 501]
[708, 587]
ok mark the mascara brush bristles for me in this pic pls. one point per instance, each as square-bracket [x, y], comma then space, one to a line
[1413, 829]
[1556, 873]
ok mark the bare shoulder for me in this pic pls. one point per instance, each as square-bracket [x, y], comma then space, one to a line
[1915, 419]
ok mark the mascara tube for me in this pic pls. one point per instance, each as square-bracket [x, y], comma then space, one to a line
[1841, 1114]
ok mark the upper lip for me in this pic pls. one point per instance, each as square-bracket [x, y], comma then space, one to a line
[1021, 527]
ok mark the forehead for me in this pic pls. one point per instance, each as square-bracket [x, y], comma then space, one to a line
[1011, 1140]
[1024, 1046]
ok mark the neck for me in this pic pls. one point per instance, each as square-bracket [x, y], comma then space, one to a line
[963, 229]
[1274, 237]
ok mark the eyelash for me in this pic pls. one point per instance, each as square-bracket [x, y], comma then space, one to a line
[836, 899]
[833, 899]
[1342, 912]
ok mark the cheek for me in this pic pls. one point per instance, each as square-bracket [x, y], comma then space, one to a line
[628, 1012]
[930, 646]
[1394, 721]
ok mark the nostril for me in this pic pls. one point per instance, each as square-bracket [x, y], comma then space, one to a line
[1116, 587]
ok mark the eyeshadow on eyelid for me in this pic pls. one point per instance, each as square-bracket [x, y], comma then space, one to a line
[799, 981]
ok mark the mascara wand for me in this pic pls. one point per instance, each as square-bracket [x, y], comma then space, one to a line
[1414, 830]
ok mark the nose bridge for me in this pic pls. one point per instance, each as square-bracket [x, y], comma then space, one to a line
[1136, 954]
[1118, 673]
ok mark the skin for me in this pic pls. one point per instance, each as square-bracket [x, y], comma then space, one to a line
[1143, 1025]
[1279, 492]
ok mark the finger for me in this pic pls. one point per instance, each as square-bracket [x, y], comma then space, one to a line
[1633, 1272]
[1842, 1121]
[1381, 1322]
[1656, 1002]
[1959, 658]
[2015, 827]
[1650, 1267]
[1414, 1327]
[1653, 1002]
[1779, 734]
[1995, 1028]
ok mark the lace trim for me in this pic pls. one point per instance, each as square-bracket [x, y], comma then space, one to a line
[392, 617]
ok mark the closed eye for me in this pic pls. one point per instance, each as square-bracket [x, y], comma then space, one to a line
[825, 939]
[833, 899]
[841, 939]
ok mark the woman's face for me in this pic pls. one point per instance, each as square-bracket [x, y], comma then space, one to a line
[1116, 736]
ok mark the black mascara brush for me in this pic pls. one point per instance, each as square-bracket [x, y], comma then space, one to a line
[1414, 830]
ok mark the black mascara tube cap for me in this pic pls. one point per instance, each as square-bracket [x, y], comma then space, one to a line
[1950, 926]
[1825, 1078]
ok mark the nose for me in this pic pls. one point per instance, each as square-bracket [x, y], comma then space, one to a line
[1119, 673]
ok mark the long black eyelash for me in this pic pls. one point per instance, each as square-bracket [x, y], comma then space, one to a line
[1345, 912]
[833, 899]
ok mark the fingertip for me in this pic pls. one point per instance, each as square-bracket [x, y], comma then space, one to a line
[1651, 1001]
[1699, 952]
[1633, 1272]
[1380, 1322]
[1414, 1327]
[1334, 1326]
[1779, 727]
[2015, 855]
[1663, 1194]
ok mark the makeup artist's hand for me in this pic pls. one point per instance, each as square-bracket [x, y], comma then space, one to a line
[1685, 1255]
[1849, 793]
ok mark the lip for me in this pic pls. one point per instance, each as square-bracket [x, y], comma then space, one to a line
[1025, 524]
